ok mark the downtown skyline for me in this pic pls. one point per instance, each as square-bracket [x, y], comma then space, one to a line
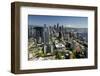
[66, 21]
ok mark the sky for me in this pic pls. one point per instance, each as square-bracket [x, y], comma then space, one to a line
[67, 21]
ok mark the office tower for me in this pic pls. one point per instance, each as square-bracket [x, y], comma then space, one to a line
[46, 34]
[46, 37]
[38, 33]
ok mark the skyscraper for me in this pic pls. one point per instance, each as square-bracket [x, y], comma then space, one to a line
[46, 34]
[46, 38]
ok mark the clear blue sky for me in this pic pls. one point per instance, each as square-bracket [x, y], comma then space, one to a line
[68, 21]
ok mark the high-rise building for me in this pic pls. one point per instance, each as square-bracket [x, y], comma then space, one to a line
[38, 33]
[45, 37]
[46, 34]
[31, 31]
